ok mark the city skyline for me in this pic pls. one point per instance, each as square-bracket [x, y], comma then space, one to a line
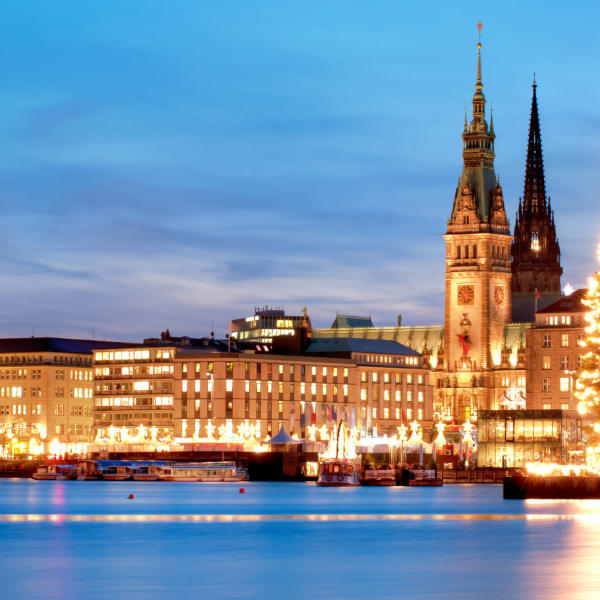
[185, 178]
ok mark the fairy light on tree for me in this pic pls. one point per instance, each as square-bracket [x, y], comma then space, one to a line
[587, 377]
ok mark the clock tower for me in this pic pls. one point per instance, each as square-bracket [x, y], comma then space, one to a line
[478, 269]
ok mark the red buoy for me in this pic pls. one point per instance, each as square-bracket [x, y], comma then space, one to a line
[242, 491]
[131, 496]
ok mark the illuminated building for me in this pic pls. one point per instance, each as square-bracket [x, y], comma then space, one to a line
[197, 388]
[46, 393]
[553, 353]
[513, 438]
[266, 323]
[535, 251]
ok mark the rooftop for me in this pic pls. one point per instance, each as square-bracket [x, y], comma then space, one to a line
[343, 321]
[325, 345]
[55, 344]
[567, 304]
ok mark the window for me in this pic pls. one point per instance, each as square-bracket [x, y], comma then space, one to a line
[409, 396]
[546, 341]
[313, 371]
[564, 406]
[546, 384]
[564, 363]
[398, 395]
[229, 385]
[458, 252]
[386, 412]
[420, 379]
[374, 412]
[564, 384]
[579, 339]
[564, 339]
[281, 369]
[184, 384]
[247, 386]
[375, 377]
[409, 378]
[546, 362]
[397, 413]
[345, 372]
[505, 382]
[335, 371]
[420, 414]
[363, 376]
[197, 385]
[409, 413]
[420, 396]
[386, 377]
[547, 406]
[521, 380]
[324, 371]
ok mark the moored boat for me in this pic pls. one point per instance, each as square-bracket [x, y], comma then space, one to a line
[118, 472]
[339, 472]
[378, 477]
[421, 478]
[203, 472]
[45, 473]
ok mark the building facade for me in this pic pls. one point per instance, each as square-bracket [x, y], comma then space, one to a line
[266, 323]
[199, 389]
[553, 353]
[46, 393]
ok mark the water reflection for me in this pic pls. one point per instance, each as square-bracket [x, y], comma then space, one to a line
[315, 518]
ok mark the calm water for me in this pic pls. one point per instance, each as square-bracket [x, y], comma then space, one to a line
[291, 540]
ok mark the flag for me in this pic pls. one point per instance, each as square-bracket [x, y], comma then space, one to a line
[538, 296]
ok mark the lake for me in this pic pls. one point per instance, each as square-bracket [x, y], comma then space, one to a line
[291, 540]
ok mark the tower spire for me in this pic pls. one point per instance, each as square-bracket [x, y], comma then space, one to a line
[534, 194]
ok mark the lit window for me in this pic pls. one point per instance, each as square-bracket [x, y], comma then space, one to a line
[409, 378]
[375, 376]
[386, 377]
[409, 396]
[324, 371]
[247, 386]
[564, 384]
[398, 395]
[546, 362]
[197, 385]
[313, 389]
[564, 340]
[409, 413]
[386, 412]
[547, 406]
[229, 385]
[546, 384]
[374, 412]
[397, 413]
[363, 376]
[564, 363]
[184, 385]
[314, 371]
[564, 406]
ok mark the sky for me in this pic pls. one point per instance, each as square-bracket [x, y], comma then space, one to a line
[178, 163]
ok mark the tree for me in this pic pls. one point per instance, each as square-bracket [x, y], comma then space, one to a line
[587, 377]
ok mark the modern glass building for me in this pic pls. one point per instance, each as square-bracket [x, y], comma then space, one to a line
[512, 438]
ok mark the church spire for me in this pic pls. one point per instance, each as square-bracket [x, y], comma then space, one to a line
[534, 195]
[535, 250]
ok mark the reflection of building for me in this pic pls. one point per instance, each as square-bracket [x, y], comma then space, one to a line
[553, 353]
[46, 392]
[266, 324]
[188, 387]
[514, 438]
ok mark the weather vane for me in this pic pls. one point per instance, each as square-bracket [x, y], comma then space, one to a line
[479, 26]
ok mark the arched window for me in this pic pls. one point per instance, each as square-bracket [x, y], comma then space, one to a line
[466, 251]
[474, 250]
[466, 220]
[458, 252]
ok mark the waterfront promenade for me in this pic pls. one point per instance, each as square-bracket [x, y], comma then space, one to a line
[292, 540]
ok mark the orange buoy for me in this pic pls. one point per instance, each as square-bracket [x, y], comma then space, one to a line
[242, 491]
[131, 496]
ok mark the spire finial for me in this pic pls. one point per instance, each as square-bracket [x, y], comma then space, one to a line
[479, 26]
[534, 84]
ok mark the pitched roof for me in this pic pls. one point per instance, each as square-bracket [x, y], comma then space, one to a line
[53, 344]
[568, 304]
[327, 345]
[343, 321]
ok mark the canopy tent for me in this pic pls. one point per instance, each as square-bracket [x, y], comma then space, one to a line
[283, 437]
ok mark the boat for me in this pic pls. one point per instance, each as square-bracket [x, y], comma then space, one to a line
[45, 472]
[203, 472]
[146, 473]
[119, 472]
[421, 478]
[378, 477]
[339, 466]
[339, 472]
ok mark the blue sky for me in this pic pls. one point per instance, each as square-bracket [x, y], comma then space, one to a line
[170, 164]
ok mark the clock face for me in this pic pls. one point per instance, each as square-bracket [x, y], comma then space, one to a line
[466, 294]
[498, 295]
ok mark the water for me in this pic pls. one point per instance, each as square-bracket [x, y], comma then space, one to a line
[291, 541]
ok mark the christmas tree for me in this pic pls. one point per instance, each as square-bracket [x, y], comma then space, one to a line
[587, 378]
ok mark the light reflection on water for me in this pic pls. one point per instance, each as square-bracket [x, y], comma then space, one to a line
[292, 541]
